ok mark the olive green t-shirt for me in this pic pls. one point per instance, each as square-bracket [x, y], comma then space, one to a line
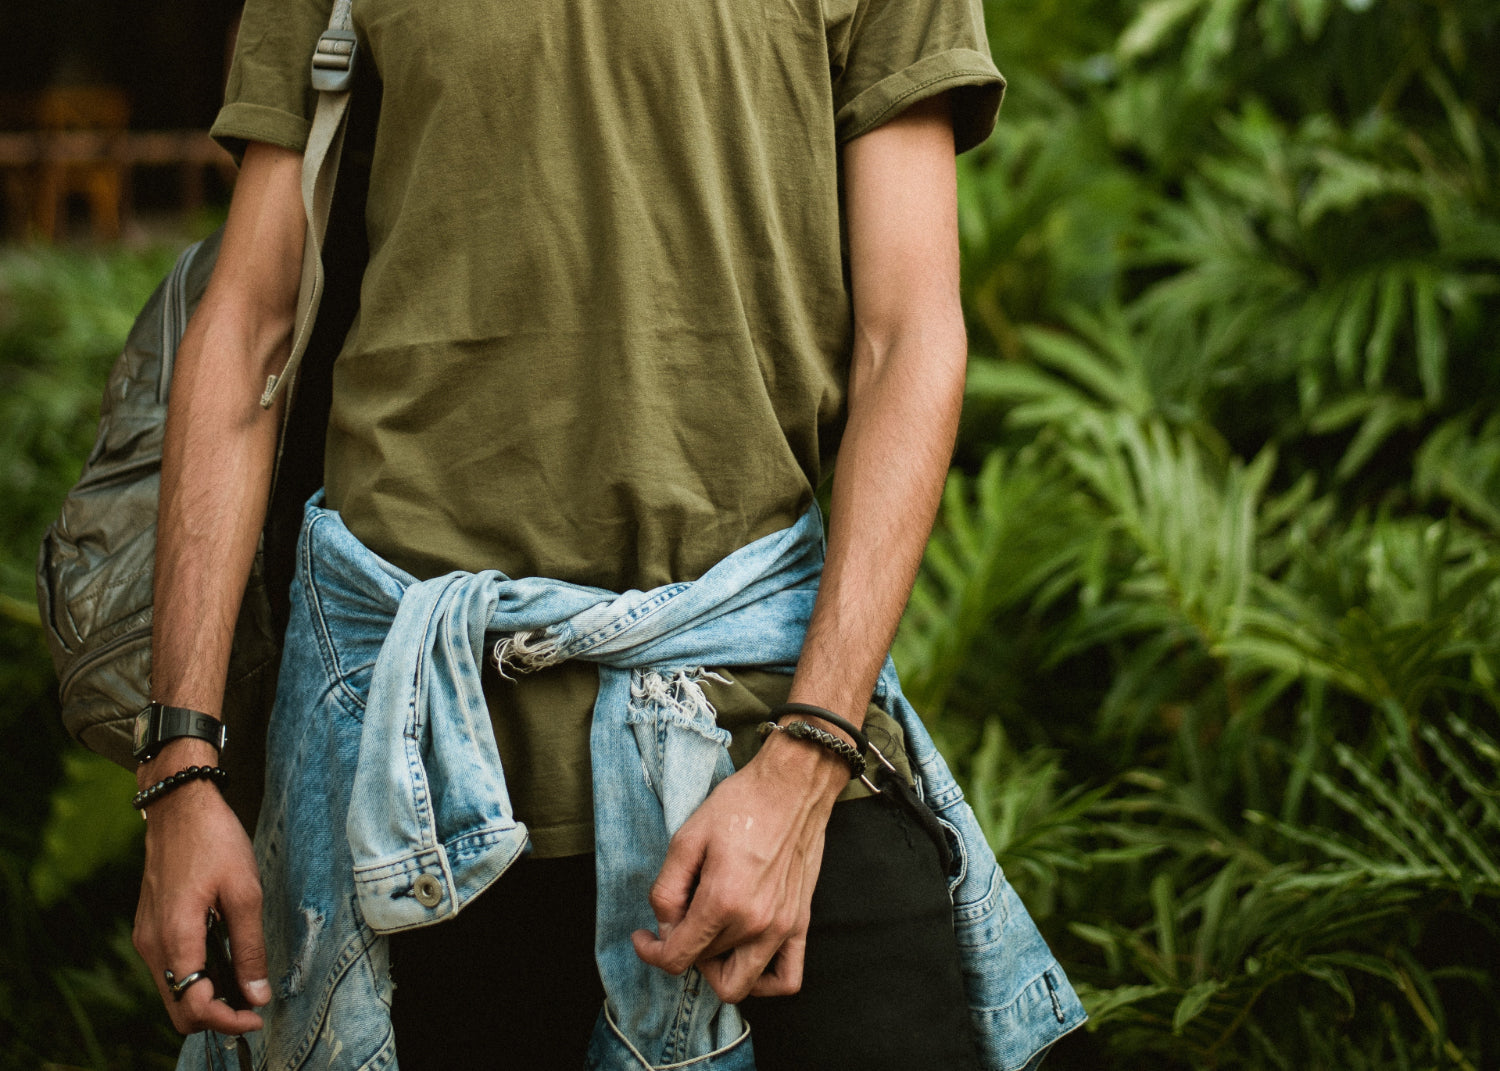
[605, 327]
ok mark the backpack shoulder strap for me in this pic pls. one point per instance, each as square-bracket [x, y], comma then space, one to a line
[333, 66]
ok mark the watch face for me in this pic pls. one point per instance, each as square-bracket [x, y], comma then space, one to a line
[142, 731]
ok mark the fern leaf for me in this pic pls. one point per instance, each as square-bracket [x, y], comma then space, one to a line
[1432, 345]
[1398, 809]
[1193, 1002]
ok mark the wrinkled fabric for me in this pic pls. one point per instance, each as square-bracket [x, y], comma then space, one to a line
[386, 806]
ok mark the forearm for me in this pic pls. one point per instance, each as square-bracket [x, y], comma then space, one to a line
[905, 391]
[903, 416]
[219, 447]
[216, 471]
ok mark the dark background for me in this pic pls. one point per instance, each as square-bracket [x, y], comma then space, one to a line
[170, 57]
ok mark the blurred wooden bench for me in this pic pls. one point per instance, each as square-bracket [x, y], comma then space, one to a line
[81, 146]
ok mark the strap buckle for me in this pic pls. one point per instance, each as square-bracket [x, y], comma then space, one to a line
[333, 61]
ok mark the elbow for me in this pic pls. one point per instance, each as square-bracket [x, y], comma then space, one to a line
[224, 359]
[923, 350]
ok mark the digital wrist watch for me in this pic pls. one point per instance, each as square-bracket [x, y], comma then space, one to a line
[158, 725]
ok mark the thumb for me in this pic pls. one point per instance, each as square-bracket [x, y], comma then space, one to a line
[673, 889]
[247, 946]
[671, 894]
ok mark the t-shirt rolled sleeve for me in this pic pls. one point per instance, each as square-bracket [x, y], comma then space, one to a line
[887, 55]
[976, 104]
[269, 95]
[240, 122]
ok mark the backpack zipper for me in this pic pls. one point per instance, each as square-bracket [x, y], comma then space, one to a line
[102, 653]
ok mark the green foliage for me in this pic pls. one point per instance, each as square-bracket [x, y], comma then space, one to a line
[71, 988]
[1308, 915]
[63, 317]
[87, 828]
[1221, 556]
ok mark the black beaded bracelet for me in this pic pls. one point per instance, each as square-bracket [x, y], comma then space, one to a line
[801, 730]
[147, 796]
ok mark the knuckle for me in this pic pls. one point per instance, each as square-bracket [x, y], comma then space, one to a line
[242, 898]
[251, 959]
[760, 918]
[177, 947]
[712, 905]
[241, 904]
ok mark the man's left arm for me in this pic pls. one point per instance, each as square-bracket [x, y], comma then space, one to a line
[733, 895]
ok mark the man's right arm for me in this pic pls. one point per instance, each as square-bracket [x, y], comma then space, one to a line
[217, 461]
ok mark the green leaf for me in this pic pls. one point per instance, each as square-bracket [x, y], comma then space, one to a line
[1382, 339]
[91, 824]
[1432, 347]
[1386, 417]
[1192, 1003]
[1164, 915]
[18, 610]
[1101, 1004]
[1155, 21]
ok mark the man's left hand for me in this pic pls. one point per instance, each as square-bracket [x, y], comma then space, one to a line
[735, 893]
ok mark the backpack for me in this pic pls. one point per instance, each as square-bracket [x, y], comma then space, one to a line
[95, 568]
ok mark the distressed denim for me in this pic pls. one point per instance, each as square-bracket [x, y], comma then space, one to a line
[386, 806]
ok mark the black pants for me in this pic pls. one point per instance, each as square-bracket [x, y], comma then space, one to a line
[511, 981]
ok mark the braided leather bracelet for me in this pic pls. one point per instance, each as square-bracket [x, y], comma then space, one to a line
[861, 741]
[807, 710]
[896, 788]
[801, 730]
[147, 796]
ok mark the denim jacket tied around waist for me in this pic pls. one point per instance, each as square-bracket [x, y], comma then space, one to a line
[386, 806]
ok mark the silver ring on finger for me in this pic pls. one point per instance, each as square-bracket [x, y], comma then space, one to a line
[180, 987]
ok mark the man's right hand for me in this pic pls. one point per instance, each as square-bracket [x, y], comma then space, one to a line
[198, 857]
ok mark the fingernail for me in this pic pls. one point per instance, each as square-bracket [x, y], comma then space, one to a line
[259, 992]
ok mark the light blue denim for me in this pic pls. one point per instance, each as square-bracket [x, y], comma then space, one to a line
[386, 806]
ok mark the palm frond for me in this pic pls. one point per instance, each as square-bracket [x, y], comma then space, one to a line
[999, 537]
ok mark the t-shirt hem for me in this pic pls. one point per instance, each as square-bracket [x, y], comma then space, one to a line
[557, 842]
[239, 122]
[974, 113]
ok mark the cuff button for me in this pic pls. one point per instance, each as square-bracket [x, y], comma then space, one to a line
[427, 890]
